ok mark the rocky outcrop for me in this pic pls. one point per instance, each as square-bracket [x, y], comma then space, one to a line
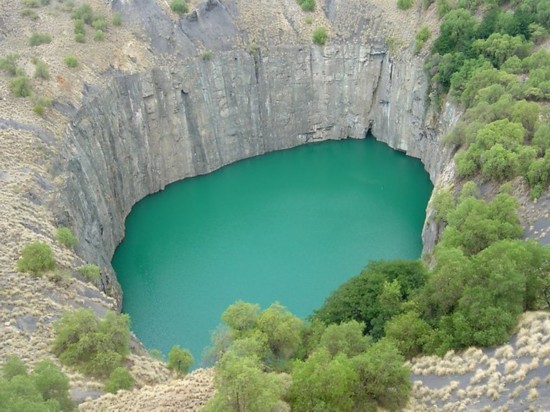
[146, 131]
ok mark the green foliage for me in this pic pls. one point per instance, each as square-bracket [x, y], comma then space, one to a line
[79, 27]
[32, 3]
[83, 12]
[71, 61]
[383, 378]
[99, 35]
[92, 345]
[457, 31]
[422, 36]
[242, 385]
[65, 236]
[179, 6]
[21, 86]
[324, 383]
[179, 360]
[41, 70]
[475, 224]
[90, 272]
[320, 36]
[119, 379]
[443, 203]
[443, 7]
[45, 389]
[500, 47]
[405, 4]
[410, 333]
[307, 5]
[157, 354]
[31, 14]
[39, 110]
[207, 55]
[8, 65]
[117, 20]
[36, 258]
[13, 366]
[241, 317]
[346, 338]
[282, 329]
[37, 39]
[364, 298]
[80, 38]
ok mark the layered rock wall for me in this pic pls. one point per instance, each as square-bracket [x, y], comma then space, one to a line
[146, 131]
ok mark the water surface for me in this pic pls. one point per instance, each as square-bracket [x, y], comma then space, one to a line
[288, 226]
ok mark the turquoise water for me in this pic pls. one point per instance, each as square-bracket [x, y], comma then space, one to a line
[288, 226]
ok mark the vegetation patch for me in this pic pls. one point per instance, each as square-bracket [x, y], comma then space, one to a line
[179, 6]
[307, 5]
[36, 258]
[320, 36]
[37, 39]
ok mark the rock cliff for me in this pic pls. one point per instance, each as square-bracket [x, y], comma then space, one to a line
[145, 131]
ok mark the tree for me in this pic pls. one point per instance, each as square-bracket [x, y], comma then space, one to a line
[409, 333]
[13, 366]
[383, 378]
[241, 385]
[92, 345]
[283, 331]
[500, 47]
[346, 338]
[457, 31]
[36, 258]
[323, 383]
[443, 202]
[65, 236]
[499, 163]
[119, 379]
[241, 316]
[179, 6]
[52, 384]
[179, 360]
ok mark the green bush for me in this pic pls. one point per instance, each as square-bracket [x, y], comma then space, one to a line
[32, 3]
[320, 36]
[422, 36]
[45, 389]
[71, 61]
[179, 6]
[117, 20]
[405, 4]
[79, 27]
[8, 64]
[65, 236]
[99, 35]
[39, 110]
[36, 258]
[307, 5]
[21, 86]
[90, 272]
[83, 12]
[119, 379]
[99, 22]
[41, 70]
[31, 14]
[179, 360]
[80, 38]
[37, 39]
[92, 345]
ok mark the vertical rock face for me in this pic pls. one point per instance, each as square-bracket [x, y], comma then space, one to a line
[146, 131]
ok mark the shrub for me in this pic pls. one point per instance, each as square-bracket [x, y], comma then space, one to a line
[36, 258]
[8, 64]
[31, 14]
[92, 345]
[99, 35]
[99, 22]
[179, 360]
[404, 4]
[207, 55]
[79, 27]
[179, 7]
[90, 272]
[41, 70]
[45, 389]
[120, 378]
[71, 61]
[38, 109]
[422, 36]
[83, 12]
[65, 236]
[117, 20]
[37, 39]
[320, 36]
[21, 86]
[80, 38]
[307, 5]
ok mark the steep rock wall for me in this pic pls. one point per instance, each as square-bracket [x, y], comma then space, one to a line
[146, 131]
